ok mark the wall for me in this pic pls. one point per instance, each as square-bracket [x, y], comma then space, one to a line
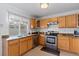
[62, 14]
[4, 24]
[0, 46]
[60, 30]
[4, 9]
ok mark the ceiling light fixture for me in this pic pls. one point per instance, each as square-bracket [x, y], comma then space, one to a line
[44, 5]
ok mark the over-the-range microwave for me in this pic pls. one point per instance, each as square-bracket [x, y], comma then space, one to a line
[76, 32]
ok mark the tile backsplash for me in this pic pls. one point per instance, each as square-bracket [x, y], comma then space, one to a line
[60, 30]
[55, 28]
[67, 30]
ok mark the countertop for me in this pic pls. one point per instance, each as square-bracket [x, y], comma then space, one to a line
[66, 34]
[16, 37]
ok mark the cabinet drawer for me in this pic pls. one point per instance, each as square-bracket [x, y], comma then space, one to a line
[13, 41]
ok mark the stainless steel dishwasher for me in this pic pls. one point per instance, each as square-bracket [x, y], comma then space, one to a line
[35, 39]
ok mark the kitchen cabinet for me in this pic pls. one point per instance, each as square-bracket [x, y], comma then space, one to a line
[30, 43]
[77, 20]
[52, 19]
[19, 46]
[43, 23]
[63, 42]
[13, 47]
[71, 21]
[23, 45]
[68, 43]
[42, 40]
[61, 22]
[74, 44]
[33, 23]
[38, 23]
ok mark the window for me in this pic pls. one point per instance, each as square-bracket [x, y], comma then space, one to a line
[17, 25]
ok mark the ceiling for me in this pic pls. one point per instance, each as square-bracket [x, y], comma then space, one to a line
[33, 9]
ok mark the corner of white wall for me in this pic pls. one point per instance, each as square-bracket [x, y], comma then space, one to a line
[62, 14]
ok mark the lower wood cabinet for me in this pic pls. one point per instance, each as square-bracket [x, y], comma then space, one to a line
[74, 45]
[29, 43]
[63, 42]
[13, 47]
[23, 45]
[42, 40]
[68, 43]
[19, 46]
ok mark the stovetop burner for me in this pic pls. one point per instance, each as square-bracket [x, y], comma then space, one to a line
[51, 33]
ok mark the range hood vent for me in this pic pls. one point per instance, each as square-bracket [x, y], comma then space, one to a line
[52, 23]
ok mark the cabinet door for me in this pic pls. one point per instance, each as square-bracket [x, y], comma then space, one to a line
[61, 22]
[13, 48]
[52, 19]
[74, 45]
[71, 21]
[33, 23]
[30, 43]
[63, 42]
[23, 46]
[42, 40]
[38, 23]
[43, 23]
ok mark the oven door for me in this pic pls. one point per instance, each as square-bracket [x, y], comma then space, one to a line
[51, 42]
[51, 39]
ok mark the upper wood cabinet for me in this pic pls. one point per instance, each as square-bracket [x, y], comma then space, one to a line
[63, 42]
[33, 23]
[43, 23]
[13, 47]
[38, 23]
[61, 22]
[77, 20]
[71, 21]
[52, 19]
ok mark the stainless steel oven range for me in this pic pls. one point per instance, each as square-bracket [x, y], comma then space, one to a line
[51, 40]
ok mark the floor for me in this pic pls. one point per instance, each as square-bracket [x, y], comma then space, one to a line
[37, 52]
